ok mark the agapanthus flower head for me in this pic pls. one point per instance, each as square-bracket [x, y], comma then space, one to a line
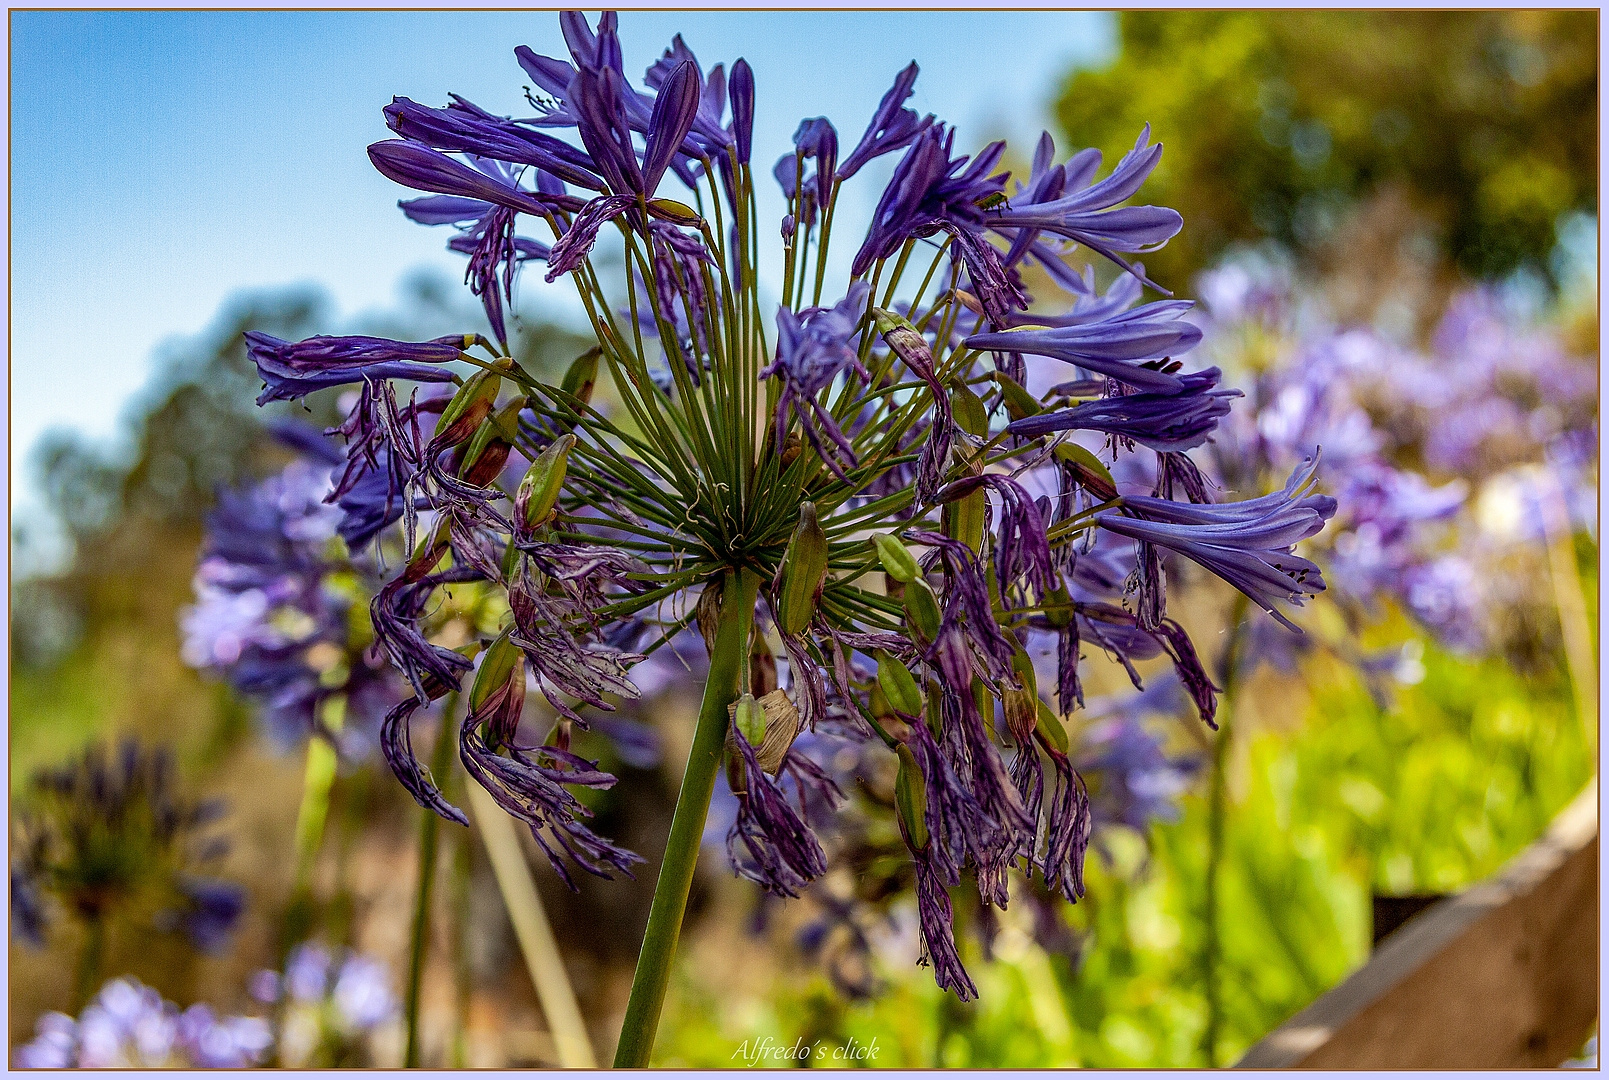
[109, 833]
[831, 499]
[272, 596]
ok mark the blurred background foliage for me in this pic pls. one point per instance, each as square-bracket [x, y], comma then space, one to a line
[1282, 124]
[1393, 157]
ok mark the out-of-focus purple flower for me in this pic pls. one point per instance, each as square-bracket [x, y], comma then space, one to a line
[363, 994]
[130, 1026]
[54, 1044]
[212, 908]
[1139, 783]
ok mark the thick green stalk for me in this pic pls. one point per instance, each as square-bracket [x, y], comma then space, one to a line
[1217, 818]
[429, 828]
[727, 658]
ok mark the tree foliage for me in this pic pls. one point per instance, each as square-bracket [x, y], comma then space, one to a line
[1275, 122]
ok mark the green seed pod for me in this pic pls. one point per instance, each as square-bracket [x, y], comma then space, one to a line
[879, 704]
[970, 415]
[430, 550]
[898, 684]
[1021, 705]
[495, 670]
[538, 493]
[1088, 470]
[1019, 402]
[472, 404]
[964, 518]
[896, 558]
[488, 451]
[773, 724]
[674, 212]
[749, 718]
[802, 574]
[582, 375]
[922, 607]
[1050, 726]
[910, 798]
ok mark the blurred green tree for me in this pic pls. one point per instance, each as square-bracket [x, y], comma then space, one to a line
[1277, 123]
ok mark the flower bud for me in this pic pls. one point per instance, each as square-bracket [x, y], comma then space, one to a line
[538, 493]
[582, 376]
[922, 607]
[896, 558]
[910, 798]
[472, 404]
[898, 684]
[802, 573]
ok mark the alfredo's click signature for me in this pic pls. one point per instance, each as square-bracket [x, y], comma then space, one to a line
[754, 1051]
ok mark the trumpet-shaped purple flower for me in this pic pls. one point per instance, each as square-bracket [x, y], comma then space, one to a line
[1113, 347]
[891, 128]
[813, 348]
[1164, 422]
[464, 128]
[1248, 544]
[296, 369]
[417, 166]
[1086, 214]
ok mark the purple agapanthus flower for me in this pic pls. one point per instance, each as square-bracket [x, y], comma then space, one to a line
[1086, 214]
[612, 533]
[293, 370]
[1164, 422]
[1116, 347]
[814, 348]
[1248, 544]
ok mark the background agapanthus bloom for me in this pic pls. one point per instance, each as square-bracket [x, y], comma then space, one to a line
[847, 510]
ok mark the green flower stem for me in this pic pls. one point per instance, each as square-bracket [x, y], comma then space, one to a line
[317, 781]
[429, 828]
[727, 658]
[1217, 817]
[91, 959]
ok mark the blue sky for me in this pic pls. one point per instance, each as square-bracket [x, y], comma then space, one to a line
[162, 161]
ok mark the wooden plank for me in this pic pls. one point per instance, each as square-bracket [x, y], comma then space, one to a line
[1503, 975]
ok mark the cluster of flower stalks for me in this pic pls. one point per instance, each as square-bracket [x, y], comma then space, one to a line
[869, 487]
